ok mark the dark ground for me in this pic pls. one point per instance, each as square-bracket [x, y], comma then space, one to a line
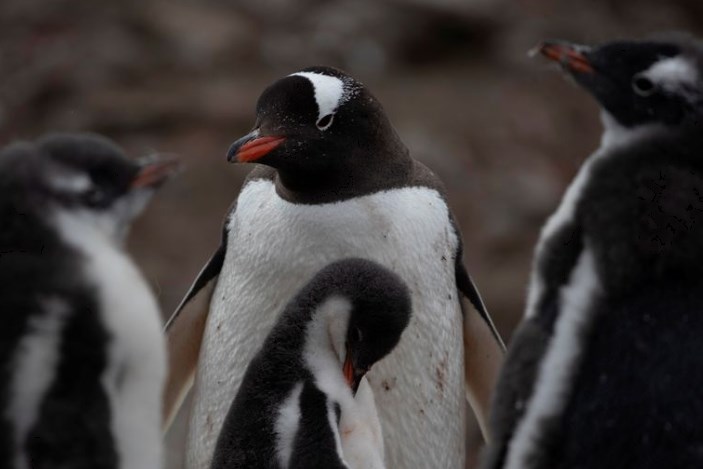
[505, 133]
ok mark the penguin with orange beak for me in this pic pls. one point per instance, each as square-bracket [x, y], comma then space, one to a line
[604, 370]
[82, 355]
[334, 180]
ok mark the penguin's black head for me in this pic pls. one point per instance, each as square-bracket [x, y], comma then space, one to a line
[359, 309]
[638, 82]
[86, 175]
[379, 312]
[318, 125]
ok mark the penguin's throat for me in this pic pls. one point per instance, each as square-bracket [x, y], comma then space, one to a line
[616, 134]
[342, 183]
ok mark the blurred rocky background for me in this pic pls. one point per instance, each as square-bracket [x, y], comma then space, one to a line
[506, 133]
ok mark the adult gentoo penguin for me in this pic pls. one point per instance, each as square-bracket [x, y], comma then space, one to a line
[82, 355]
[603, 370]
[335, 181]
[299, 389]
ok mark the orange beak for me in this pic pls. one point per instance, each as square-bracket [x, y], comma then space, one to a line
[351, 374]
[348, 370]
[154, 172]
[251, 147]
[568, 55]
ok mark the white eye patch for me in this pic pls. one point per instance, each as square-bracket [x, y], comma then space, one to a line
[74, 183]
[673, 74]
[329, 94]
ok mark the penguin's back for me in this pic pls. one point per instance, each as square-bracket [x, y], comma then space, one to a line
[639, 215]
[636, 401]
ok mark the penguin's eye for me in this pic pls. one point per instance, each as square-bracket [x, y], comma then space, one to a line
[324, 122]
[358, 335]
[95, 197]
[643, 86]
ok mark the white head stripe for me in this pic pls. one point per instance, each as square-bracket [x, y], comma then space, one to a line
[71, 182]
[329, 91]
[673, 72]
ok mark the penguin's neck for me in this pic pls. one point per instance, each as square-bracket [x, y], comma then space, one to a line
[92, 232]
[616, 135]
[363, 172]
[324, 350]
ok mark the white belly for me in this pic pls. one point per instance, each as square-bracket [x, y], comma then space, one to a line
[276, 247]
[136, 358]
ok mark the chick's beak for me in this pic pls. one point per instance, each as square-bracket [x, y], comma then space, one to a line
[252, 147]
[352, 374]
[570, 56]
[154, 171]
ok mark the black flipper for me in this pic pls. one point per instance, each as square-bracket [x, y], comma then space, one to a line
[467, 287]
[211, 270]
[184, 333]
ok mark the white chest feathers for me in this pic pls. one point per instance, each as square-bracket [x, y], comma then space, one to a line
[360, 431]
[358, 435]
[136, 353]
[276, 247]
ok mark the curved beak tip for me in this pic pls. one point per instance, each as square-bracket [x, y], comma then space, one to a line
[572, 57]
[252, 147]
[155, 171]
[232, 151]
[352, 375]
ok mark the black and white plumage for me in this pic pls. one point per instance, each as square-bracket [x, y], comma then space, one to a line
[82, 358]
[337, 182]
[298, 392]
[603, 370]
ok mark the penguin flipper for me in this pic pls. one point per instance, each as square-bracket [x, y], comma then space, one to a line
[484, 351]
[467, 288]
[184, 334]
[483, 359]
[206, 274]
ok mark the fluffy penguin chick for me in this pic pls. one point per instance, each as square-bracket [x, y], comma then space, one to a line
[335, 181]
[82, 357]
[603, 372]
[296, 407]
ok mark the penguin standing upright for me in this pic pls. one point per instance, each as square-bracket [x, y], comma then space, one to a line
[82, 357]
[300, 387]
[604, 370]
[335, 181]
